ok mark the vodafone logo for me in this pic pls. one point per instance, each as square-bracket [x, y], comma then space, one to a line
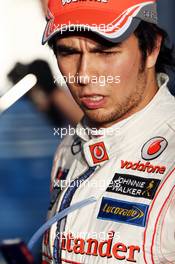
[144, 167]
[98, 152]
[153, 148]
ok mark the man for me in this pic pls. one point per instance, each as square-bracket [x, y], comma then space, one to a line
[122, 151]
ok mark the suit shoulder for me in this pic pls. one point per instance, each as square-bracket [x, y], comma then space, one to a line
[65, 145]
[171, 122]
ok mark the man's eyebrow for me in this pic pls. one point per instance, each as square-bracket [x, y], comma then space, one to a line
[100, 47]
[64, 48]
[97, 48]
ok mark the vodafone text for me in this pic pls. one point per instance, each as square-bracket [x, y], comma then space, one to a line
[145, 167]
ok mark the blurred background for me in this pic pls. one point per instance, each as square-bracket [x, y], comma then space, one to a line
[27, 141]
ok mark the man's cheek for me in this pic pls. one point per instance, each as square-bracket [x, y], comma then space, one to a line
[73, 93]
[127, 77]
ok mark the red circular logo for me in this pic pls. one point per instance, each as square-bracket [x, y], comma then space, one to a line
[153, 148]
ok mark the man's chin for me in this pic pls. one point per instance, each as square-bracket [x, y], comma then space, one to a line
[98, 118]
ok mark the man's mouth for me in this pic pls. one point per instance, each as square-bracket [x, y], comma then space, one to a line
[93, 101]
[95, 98]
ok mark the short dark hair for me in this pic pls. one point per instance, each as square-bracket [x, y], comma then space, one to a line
[146, 34]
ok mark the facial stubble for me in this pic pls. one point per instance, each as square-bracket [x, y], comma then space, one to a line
[121, 110]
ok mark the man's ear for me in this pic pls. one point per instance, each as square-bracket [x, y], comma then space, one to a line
[153, 55]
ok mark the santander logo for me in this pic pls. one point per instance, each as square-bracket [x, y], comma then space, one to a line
[105, 249]
[153, 148]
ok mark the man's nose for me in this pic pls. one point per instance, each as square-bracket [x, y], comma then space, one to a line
[84, 70]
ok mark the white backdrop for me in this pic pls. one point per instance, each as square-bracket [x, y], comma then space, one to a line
[21, 26]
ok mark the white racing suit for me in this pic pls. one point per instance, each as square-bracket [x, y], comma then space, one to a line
[130, 170]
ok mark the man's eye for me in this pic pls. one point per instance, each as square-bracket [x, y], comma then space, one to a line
[107, 53]
[66, 54]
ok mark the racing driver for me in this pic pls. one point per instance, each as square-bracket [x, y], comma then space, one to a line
[122, 152]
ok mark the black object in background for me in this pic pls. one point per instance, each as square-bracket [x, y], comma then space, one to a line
[15, 252]
[45, 83]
